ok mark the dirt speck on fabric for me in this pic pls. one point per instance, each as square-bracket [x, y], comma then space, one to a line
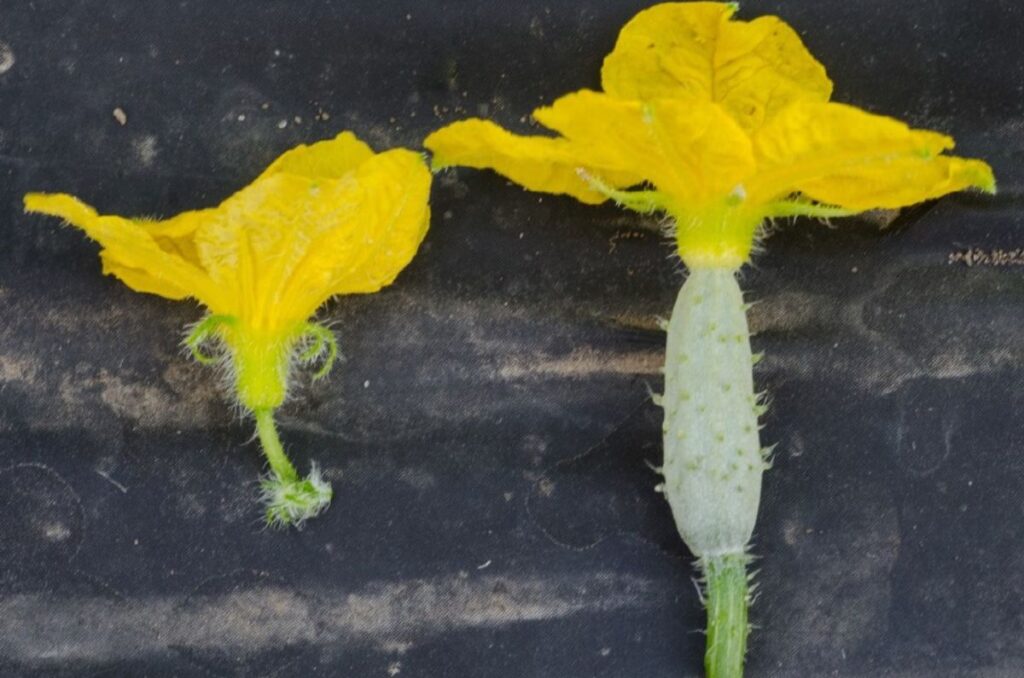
[882, 218]
[18, 368]
[6, 57]
[145, 149]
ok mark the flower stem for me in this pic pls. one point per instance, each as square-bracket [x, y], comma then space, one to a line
[272, 448]
[727, 599]
[290, 500]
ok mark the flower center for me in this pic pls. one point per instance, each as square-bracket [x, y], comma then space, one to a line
[719, 236]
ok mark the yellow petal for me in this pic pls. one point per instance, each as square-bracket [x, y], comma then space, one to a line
[141, 280]
[286, 243]
[692, 49]
[177, 234]
[253, 242]
[67, 207]
[534, 162]
[906, 181]
[331, 159]
[385, 221]
[690, 150]
[128, 246]
[846, 157]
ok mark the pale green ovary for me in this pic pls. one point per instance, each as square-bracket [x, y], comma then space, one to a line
[713, 460]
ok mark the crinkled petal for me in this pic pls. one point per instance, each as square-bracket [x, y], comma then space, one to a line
[129, 247]
[902, 182]
[331, 159]
[286, 243]
[177, 234]
[386, 218]
[537, 163]
[843, 156]
[691, 150]
[692, 49]
[141, 280]
[256, 240]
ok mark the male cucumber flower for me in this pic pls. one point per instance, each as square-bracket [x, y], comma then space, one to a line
[721, 125]
[327, 219]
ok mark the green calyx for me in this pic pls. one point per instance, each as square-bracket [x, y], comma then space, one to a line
[260, 359]
[721, 233]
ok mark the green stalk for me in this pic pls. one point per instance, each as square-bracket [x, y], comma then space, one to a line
[290, 500]
[727, 596]
[272, 448]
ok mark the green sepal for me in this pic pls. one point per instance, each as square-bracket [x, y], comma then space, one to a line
[320, 339]
[293, 502]
[203, 331]
[644, 202]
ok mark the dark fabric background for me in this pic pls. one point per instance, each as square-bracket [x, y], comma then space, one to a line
[487, 435]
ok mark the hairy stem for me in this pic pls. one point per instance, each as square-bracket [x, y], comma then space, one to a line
[290, 500]
[272, 448]
[728, 596]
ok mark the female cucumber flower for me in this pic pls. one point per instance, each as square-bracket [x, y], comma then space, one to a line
[721, 125]
[328, 219]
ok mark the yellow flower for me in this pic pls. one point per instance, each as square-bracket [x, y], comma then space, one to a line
[327, 219]
[729, 122]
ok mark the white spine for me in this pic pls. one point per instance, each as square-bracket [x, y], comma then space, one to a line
[713, 458]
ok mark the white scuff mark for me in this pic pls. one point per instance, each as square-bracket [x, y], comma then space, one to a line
[396, 647]
[120, 116]
[105, 476]
[417, 478]
[6, 57]
[484, 566]
[56, 531]
[40, 629]
[145, 149]
[583, 362]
